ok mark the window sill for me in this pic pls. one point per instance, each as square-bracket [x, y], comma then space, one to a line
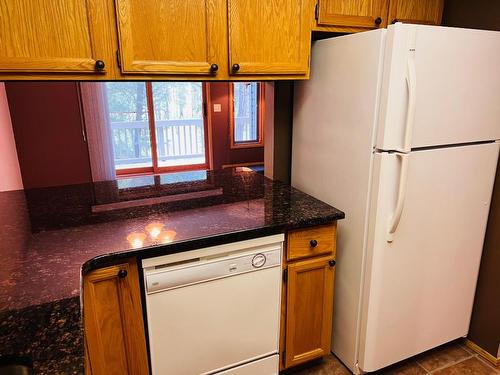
[247, 145]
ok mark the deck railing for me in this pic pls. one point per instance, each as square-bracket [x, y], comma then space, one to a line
[175, 139]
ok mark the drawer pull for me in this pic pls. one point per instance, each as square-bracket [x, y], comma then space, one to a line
[122, 274]
[99, 65]
[313, 243]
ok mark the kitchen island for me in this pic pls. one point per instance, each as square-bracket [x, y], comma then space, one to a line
[51, 237]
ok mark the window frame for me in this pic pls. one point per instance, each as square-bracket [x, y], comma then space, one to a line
[260, 119]
[155, 168]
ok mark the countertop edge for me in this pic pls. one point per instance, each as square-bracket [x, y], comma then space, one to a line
[200, 242]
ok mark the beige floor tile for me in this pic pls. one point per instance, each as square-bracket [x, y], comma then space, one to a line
[404, 368]
[442, 356]
[466, 348]
[330, 365]
[471, 366]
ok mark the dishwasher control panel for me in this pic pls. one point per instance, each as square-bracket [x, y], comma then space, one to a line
[203, 270]
[259, 260]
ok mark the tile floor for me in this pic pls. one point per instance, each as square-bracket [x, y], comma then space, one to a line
[449, 359]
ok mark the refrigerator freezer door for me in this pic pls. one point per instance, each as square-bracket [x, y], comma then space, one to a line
[420, 286]
[453, 76]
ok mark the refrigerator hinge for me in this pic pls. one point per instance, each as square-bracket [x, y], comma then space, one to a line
[316, 12]
[118, 59]
[412, 39]
[285, 275]
[357, 369]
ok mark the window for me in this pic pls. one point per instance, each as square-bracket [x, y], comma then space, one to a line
[157, 127]
[246, 114]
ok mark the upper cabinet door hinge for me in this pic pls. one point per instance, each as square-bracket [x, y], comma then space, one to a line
[285, 275]
[118, 59]
[316, 11]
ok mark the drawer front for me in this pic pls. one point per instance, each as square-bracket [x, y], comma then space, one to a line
[304, 243]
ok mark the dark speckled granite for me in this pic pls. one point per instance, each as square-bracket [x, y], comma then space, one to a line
[49, 236]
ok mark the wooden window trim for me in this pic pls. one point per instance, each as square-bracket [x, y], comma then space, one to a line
[155, 168]
[260, 119]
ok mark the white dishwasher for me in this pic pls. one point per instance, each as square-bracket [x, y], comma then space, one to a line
[215, 310]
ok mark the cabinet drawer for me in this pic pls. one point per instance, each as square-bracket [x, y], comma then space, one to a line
[309, 242]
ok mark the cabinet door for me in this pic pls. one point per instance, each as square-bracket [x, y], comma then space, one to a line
[54, 36]
[416, 11]
[113, 321]
[368, 14]
[309, 310]
[172, 37]
[269, 37]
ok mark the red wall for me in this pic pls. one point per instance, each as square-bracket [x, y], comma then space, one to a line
[222, 152]
[46, 120]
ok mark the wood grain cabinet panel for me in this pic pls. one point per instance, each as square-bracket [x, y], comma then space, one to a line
[172, 37]
[113, 321]
[309, 310]
[269, 37]
[369, 14]
[55, 36]
[304, 243]
[416, 11]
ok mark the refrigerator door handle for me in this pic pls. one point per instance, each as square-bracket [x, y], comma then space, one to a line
[396, 216]
[411, 83]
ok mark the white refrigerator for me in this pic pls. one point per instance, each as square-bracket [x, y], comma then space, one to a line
[399, 128]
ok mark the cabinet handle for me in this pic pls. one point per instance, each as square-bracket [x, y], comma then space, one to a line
[313, 243]
[332, 263]
[378, 21]
[99, 65]
[236, 67]
[214, 68]
[394, 21]
[122, 274]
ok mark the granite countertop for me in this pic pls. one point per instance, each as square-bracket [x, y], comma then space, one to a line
[49, 236]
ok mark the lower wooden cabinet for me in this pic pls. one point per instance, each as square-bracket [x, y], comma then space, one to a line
[309, 310]
[113, 321]
[307, 299]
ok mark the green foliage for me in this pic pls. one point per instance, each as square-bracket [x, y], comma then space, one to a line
[177, 100]
[127, 102]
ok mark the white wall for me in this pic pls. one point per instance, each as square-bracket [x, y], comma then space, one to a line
[10, 175]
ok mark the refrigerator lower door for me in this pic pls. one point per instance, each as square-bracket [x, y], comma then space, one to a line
[439, 87]
[420, 281]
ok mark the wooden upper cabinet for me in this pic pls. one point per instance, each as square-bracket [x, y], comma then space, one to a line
[41, 36]
[309, 310]
[416, 11]
[113, 321]
[172, 37]
[269, 37]
[367, 14]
